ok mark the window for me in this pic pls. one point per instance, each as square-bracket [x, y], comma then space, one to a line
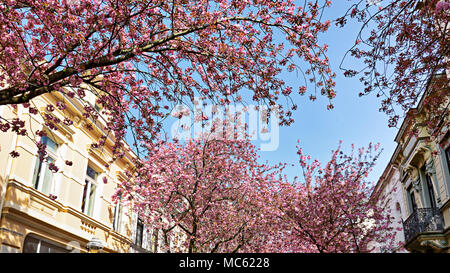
[447, 155]
[430, 191]
[117, 217]
[412, 200]
[139, 232]
[43, 176]
[90, 187]
[33, 244]
[429, 185]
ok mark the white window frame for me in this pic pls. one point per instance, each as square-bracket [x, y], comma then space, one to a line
[89, 181]
[117, 221]
[38, 176]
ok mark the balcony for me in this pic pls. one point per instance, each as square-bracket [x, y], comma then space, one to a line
[425, 220]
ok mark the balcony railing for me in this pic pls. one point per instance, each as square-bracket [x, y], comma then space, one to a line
[423, 220]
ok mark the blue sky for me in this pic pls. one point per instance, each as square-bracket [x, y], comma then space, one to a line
[354, 119]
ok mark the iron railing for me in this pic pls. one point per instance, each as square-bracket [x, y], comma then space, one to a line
[423, 220]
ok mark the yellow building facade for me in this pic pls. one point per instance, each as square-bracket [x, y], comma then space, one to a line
[419, 171]
[71, 209]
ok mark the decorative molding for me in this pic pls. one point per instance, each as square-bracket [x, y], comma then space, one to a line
[98, 158]
[2, 229]
[76, 121]
[121, 176]
[42, 205]
[58, 206]
[88, 227]
[429, 167]
[417, 151]
[416, 184]
[444, 138]
[66, 130]
[436, 244]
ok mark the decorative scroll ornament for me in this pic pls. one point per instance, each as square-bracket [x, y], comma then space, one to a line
[416, 184]
[407, 170]
[439, 245]
[429, 168]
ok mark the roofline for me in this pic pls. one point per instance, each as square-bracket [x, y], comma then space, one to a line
[391, 164]
[418, 108]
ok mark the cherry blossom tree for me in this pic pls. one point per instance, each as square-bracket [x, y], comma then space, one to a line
[213, 196]
[206, 195]
[404, 46]
[140, 58]
[330, 209]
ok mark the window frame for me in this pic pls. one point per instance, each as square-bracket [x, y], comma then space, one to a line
[117, 220]
[429, 194]
[41, 167]
[430, 190]
[412, 200]
[56, 247]
[139, 238]
[86, 206]
[447, 157]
